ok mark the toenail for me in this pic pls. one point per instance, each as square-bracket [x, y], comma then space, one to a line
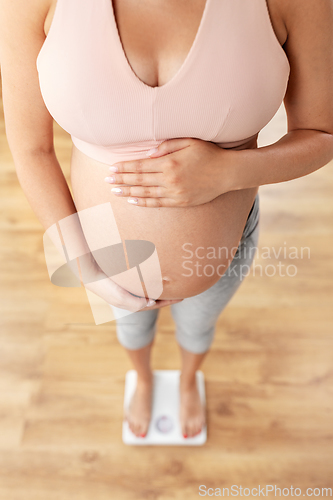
[185, 435]
[143, 435]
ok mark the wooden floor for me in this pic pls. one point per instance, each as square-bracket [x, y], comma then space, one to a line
[269, 375]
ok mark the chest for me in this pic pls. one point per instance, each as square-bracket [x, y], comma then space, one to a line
[157, 36]
[114, 77]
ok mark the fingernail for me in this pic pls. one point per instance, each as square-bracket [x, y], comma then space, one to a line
[151, 151]
[109, 179]
[113, 169]
[116, 190]
[151, 302]
[133, 200]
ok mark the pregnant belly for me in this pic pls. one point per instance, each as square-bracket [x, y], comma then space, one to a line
[194, 245]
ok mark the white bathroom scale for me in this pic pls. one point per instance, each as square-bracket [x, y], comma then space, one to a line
[164, 427]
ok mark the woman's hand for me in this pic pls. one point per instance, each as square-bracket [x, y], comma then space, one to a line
[162, 303]
[103, 286]
[181, 173]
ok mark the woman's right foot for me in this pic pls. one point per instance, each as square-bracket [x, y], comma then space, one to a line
[138, 414]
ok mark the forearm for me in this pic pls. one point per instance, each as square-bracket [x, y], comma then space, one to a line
[45, 187]
[296, 154]
[48, 194]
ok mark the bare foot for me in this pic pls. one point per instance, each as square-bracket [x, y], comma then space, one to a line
[139, 412]
[192, 412]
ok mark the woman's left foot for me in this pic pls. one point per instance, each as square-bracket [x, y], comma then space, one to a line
[192, 411]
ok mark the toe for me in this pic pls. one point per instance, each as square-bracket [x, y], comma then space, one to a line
[195, 426]
[141, 430]
[134, 428]
[137, 430]
[144, 429]
[192, 430]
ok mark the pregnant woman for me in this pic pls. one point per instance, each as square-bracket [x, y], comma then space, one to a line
[197, 80]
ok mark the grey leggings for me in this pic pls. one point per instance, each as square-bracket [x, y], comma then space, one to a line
[196, 316]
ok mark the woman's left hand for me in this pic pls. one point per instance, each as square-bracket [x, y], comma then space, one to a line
[181, 173]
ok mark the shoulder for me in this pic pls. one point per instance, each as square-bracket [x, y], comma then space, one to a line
[309, 25]
[30, 13]
[21, 26]
[314, 14]
[309, 48]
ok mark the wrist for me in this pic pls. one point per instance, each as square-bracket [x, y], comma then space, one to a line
[238, 169]
[65, 244]
[228, 171]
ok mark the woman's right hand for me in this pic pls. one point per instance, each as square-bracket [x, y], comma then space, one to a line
[163, 303]
[114, 294]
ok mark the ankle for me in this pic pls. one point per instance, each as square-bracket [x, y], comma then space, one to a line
[145, 380]
[187, 383]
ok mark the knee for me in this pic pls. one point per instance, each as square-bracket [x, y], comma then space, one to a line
[137, 329]
[134, 338]
[197, 342]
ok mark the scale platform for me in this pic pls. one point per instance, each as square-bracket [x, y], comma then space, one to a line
[164, 427]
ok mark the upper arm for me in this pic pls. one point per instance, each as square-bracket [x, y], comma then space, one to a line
[29, 125]
[309, 48]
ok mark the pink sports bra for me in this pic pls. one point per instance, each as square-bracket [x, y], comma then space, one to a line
[229, 87]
